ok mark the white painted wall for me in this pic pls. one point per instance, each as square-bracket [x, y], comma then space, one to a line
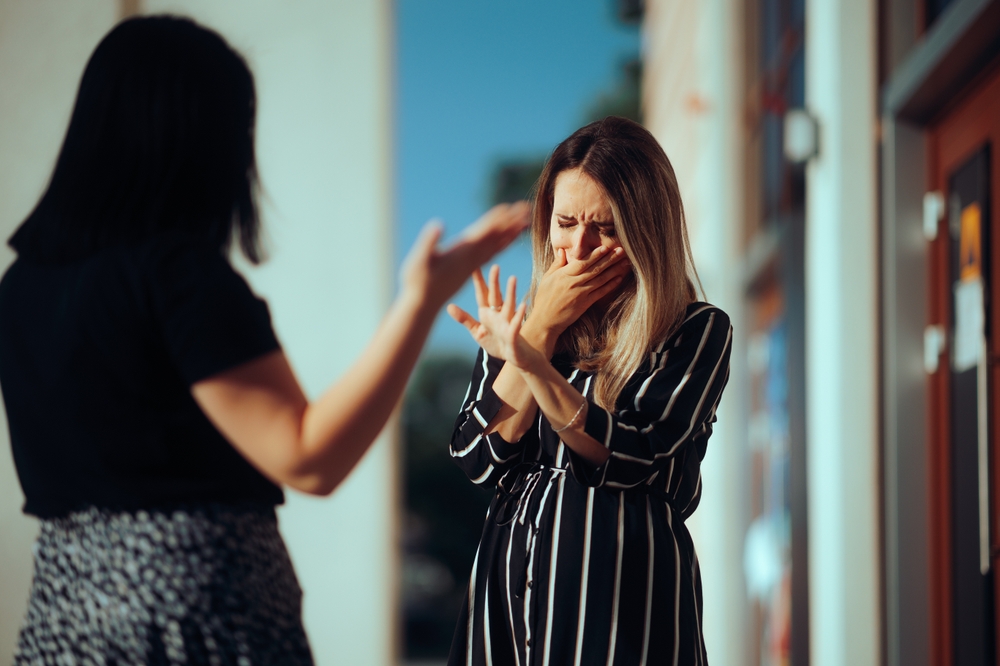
[323, 70]
[842, 363]
[44, 45]
[692, 106]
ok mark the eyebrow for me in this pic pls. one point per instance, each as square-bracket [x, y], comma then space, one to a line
[599, 223]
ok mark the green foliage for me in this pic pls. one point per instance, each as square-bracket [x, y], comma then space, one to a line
[449, 508]
[444, 509]
[624, 100]
[514, 180]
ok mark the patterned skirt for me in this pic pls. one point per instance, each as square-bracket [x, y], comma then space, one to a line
[210, 584]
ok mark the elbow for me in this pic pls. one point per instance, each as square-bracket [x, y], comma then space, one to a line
[316, 485]
[311, 477]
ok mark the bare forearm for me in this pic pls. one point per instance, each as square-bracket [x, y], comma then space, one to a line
[519, 409]
[338, 428]
[563, 406]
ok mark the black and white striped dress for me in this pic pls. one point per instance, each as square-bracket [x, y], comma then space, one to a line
[585, 565]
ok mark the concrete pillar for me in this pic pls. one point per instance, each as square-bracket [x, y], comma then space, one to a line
[842, 396]
[692, 104]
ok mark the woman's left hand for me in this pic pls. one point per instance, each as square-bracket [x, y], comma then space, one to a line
[498, 330]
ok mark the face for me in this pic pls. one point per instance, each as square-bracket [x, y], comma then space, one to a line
[582, 219]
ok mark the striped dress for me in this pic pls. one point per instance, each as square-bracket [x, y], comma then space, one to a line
[580, 564]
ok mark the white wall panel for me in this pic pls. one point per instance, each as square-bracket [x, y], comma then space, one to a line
[324, 138]
[44, 45]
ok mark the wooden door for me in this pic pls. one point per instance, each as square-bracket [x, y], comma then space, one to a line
[964, 158]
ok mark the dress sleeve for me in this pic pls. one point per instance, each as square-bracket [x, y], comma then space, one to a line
[209, 319]
[484, 459]
[673, 405]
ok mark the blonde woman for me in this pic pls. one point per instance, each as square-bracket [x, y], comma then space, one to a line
[591, 416]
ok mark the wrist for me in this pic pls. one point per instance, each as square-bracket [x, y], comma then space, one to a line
[541, 338]
[414, 305]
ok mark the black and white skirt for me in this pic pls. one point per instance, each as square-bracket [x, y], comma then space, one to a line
[206, 585]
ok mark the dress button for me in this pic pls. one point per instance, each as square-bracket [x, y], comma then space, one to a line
[528, 642]
[530, 583]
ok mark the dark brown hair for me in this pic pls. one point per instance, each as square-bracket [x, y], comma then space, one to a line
[161, 138]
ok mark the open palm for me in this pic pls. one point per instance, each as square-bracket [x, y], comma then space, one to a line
[498, 329]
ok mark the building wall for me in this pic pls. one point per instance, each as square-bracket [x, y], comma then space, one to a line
[44, 45]
[324, 151]
[692, 96]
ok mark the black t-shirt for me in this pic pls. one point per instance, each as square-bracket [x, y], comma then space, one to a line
[97, 358]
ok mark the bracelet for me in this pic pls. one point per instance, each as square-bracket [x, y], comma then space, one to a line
[572, 420]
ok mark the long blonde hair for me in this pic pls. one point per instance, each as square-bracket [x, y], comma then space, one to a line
[635, 174]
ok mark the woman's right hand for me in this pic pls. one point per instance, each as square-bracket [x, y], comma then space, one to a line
[569, 288]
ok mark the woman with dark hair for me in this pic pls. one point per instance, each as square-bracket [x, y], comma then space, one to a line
[153, 416]
[591, 416]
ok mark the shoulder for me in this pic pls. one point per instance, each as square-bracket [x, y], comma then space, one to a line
[172, 247]
[172, 259]
[700, 313]
[701, 321]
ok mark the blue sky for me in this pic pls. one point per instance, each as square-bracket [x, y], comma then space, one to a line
[483, 80]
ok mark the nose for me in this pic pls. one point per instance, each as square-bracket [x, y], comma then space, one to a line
[582, 242]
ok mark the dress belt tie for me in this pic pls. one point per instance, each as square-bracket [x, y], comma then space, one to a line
[515, 488]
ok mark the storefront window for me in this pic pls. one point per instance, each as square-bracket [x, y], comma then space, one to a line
[775, 553]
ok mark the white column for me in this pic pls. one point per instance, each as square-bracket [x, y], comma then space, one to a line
[44, 45]
[842, 335]
[324, 142]
[692, 105]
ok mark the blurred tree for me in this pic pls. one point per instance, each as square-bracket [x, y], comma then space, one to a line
[444, 510]
[630, 11]
[624, 100]
[514, 180]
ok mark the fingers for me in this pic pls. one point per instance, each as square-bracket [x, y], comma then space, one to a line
[498, 226]
[495, 301]
[463, 317]
[481, 240]
[426, 241]
[518, 319]
[611, 285]
[511, 298]
[614, 261]
[479, 284]
[608, 264]
[558, 259]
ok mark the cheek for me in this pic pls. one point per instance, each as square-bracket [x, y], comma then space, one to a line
[559, 239]
[611, 243]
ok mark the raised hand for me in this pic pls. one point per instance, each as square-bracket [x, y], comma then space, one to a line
[493, 310]
[431, 276]
[498, 328]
